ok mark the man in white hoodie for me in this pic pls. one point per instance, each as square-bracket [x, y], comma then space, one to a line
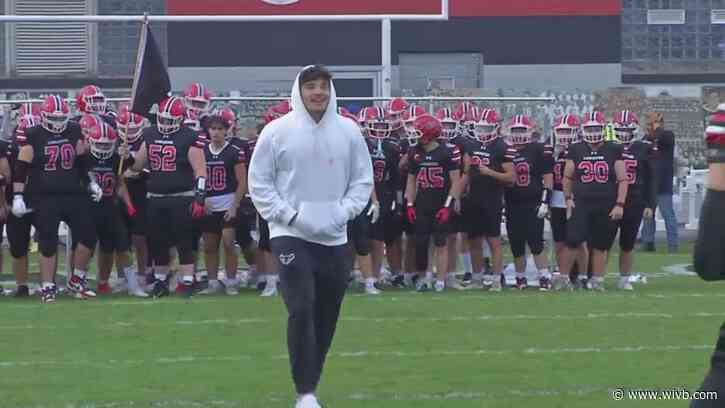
[310, 174]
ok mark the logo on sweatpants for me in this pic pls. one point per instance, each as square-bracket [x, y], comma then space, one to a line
[286, 259]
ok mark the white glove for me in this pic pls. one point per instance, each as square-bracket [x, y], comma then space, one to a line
[374, 213]
[96, 191]
[19, 209]
[543, 210]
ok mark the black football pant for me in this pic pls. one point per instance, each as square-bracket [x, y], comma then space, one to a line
[715, 379]
[170, 224]
[313, 279]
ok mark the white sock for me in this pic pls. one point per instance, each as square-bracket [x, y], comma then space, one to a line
[478, 276]
[160, 276]
[213, 282]
[272, 280]
[520, 275]
[231, 281]
[131, 277]
[486, 249]
[467, 265]
[544, 273]
[598, 279]
[79, 273]
[370, 282]
[252, 270]
[47, 285]
[428, 276]
[187, 279]
[408, 276]
[200, 276]
[440, 283]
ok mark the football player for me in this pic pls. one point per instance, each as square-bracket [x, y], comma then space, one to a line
[639, 157]
[49, 165]
[527, 201]
[432, 187]
[91, 100]
[566, 130]
[595, 189]
[130, 125]
[488, 168]
[176, 191]
[227, 171]
[18, 228]
[106, 213]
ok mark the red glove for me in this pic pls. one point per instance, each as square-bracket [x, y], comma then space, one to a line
[443, 215]
[130, 209]
[197, 210]
[411, 214]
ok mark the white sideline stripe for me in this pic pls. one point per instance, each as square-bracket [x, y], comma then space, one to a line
[588, 316]
[358, 354]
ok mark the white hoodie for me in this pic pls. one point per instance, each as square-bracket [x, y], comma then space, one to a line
[320, 171]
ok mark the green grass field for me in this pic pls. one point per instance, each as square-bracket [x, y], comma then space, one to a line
[401, 349]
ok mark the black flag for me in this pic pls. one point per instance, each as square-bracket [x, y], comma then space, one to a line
[151, 82]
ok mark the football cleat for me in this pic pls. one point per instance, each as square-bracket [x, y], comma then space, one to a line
[596, 286]
[496, 285]
[467, 278]
[187, 290]
[439, 286]
[544, 284]
[625, 283]
[213, 287]
[104, 289]
[372, 290]
[521, 283]
[47, 295]
[79, 287]
[398, 281]
[160, 289]
[269, 291]
[231, 290]
[423, 287]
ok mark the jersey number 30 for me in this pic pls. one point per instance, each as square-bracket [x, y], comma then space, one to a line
[594, 171]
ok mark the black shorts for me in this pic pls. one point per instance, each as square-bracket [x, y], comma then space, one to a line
[558, 224]
[358, 234]
[110, 227]
[524, 227]
[243, 225]
[73, 209]
[389, 227]
[629, 225]
[214, 223]
[263, 235]
[482, 220]
[137, 192]
[18, 230]
[426, 227]
[170, 225]
[590, 223]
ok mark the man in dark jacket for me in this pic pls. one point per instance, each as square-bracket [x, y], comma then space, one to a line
[665, 170]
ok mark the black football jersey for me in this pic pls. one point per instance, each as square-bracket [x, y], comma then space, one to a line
[403, 148]
[464, 144]
[220, 165]
[170, 171]
[559, 158]
[105, 173]
[486, 189]
[639, 157]
[431, 170]
[594, 176]
[55, 168]
[531, 163]
[386, 157]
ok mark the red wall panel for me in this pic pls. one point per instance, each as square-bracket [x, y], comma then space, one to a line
[459, 8]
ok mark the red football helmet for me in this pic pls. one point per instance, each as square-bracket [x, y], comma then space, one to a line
[29, 109]
[24, 123]
[626, 126]
[87, 122]
[410, 114]
[197, 98]
[448, 123]
[521, 129]
[396, 108]
[715, 130]
[486, 129]
[54, 114]
[376, 122]
[129, 125]
[593, 124]
[90, 99]
[102, 140]
[427, 129]
[171, 115]
[342, 111]
[566, 129]
[467, 115]
[277, 111]
[191, 120]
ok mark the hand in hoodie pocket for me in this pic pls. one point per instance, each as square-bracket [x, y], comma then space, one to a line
[320, 219]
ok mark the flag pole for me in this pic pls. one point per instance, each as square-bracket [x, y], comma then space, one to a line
[136, 75]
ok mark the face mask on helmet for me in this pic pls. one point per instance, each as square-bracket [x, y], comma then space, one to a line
[520, 135]
[593, 134]
[448, 129]
[378, 129]
[96, 104]
[564, 136]
[55, 123]
[624, 134]
[167, 124]
[102, 150]
[485, 132]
